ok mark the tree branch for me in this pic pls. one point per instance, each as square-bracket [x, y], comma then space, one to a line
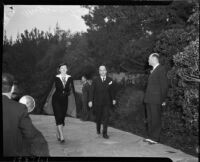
[190, 79]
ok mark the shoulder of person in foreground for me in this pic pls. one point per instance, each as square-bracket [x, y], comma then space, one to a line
[19, 107]
[25, 124]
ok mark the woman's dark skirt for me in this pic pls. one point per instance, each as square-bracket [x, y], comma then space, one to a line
[60, 104]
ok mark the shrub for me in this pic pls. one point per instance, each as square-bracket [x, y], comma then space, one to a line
[181, 48]
[170, 42]
[186, 74]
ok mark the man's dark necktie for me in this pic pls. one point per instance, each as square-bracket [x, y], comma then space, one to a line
[103, 79]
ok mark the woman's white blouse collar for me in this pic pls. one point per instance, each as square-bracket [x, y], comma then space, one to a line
[66, 77]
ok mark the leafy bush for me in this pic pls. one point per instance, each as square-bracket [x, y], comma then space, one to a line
[128, 115]
[33, 59]
[186, 71]
[181, 48]
[170, 42]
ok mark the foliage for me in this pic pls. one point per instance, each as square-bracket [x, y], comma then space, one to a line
[126, 34]
[185, 80]
[33, 59]
[128, 115]
[166, 30]
[122, 37]
[77, 54]
[170, 42]
[186, 71]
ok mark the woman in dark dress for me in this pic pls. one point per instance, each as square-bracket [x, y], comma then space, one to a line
[64, 86]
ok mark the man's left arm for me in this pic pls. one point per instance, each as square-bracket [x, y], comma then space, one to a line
[113, 93]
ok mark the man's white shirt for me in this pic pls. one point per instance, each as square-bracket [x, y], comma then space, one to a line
[103, 78]
[154, 67]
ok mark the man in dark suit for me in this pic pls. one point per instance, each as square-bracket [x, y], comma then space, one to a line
[154, 98]
[16, 122]
[102, 98]
[85, 115]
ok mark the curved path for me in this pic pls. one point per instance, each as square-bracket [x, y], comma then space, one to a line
[82, 141]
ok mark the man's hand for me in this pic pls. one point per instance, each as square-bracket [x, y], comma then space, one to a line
[90, 104]
[164, 104]
[114, 102]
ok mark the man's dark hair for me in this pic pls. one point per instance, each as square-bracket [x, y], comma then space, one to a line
[103, 65]
[7, 82]
[156, 55]
[61, 64]
[85, 76]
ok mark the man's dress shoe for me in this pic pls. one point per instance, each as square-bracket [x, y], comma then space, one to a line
[105, 136]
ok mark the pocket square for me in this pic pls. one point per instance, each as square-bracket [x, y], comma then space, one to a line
[110, 83]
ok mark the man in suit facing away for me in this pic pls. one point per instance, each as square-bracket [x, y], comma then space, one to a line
[154, 98]
[16, 122]
[102, 98]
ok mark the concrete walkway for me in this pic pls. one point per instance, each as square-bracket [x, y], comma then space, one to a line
[82, 140]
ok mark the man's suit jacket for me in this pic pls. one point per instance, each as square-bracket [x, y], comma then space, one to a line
[157, 87]
[16, 126]
[102, 93]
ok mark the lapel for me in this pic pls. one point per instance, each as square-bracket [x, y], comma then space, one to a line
[154, 71]
[103, 83]
[86, 84]
[66, 79]
[102, 80]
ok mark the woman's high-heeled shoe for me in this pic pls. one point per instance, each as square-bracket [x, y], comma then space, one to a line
[58, 138]
[62, 141]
